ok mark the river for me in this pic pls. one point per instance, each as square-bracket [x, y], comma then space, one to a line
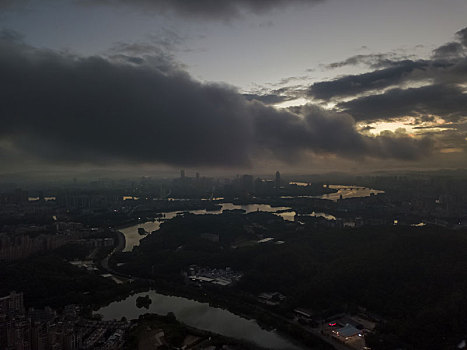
[132, 236]
[201, 315]
[349, 192]
[198, 315]
[344, 192]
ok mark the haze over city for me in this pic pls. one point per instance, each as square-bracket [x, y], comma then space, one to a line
[233, 174]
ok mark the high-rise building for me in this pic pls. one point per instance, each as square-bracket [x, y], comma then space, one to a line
[278, 180]
[12, 304]
[182, 173]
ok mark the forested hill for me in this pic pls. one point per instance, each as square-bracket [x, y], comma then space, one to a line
[414, 277]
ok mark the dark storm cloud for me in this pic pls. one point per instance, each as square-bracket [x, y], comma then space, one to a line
[442, 93]
[213, 9]
[317, 129]
[58, 108]
[352, 85]
[419, 88]
[449, 102]
[73, 109]
[328, 132]
[449, 51]
[400, 146]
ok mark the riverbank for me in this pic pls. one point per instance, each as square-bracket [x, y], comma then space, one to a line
[215, 300]
[201, 316]
[177, 334]
[332, 194]
[238, 303]
[234, 300]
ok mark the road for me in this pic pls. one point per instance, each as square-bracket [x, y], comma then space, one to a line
[105, 262]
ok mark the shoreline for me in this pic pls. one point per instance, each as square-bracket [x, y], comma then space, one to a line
[217, 304]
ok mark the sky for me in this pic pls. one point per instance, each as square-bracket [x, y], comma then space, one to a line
[235, 85]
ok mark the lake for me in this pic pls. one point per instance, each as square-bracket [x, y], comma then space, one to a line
[198, 315]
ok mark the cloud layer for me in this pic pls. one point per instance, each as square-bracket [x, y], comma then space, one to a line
[396, 88]
[62, 109]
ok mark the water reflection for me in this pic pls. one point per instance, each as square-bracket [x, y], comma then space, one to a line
[343, 192]
[198, 315]
[349, 192]
[133, 237]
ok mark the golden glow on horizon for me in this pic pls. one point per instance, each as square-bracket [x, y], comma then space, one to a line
[297, 102]
[393, 126]
[451, 150]
[409, 124]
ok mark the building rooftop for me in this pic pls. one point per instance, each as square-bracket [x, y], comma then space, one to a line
[347, 331]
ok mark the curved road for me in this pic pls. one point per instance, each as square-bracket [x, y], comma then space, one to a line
[105, 262]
